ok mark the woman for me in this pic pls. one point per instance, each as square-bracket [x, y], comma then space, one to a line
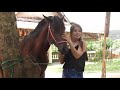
[74, 60]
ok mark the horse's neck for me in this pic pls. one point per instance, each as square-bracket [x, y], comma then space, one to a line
[44, 45]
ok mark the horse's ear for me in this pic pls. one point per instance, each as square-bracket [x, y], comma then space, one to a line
[47, 18]
[62, 17]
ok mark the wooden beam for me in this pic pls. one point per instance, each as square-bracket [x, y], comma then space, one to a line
[106, 32]
[67, 20]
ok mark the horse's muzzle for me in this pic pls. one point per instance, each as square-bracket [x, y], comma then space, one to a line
[64, 50]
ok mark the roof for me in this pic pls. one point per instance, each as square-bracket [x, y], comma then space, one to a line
[34, 14]
[29, 20]
[37, 16]
[26, 25]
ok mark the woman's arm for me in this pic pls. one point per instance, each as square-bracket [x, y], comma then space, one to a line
[61, 58]
[76, 53]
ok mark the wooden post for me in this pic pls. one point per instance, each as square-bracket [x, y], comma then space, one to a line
[106, 32]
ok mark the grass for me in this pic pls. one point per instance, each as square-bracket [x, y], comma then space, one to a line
[91, 67]
[112, 65]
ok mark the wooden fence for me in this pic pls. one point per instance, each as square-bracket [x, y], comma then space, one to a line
[91, 55]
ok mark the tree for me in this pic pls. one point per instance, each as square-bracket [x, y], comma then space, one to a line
[9, 37]
[9, 50]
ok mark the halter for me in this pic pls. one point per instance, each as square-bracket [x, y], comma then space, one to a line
[49, 30]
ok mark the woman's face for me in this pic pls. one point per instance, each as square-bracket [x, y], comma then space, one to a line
[76, 34]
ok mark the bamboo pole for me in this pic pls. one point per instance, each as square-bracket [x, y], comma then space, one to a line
[106, 33]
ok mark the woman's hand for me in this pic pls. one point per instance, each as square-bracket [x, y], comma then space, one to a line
[66, 37]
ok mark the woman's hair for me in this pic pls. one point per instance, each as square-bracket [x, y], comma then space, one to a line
[73, 25]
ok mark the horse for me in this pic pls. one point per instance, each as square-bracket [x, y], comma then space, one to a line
[36, 44]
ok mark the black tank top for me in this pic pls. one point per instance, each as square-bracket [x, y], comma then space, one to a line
[71, 62]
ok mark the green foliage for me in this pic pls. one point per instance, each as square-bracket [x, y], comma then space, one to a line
[116, 44]
[99, 54]
[109, 43]
[90, 46]
[98, 47]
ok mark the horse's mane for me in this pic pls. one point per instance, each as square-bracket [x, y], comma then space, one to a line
[57, 24]
[33, 34]
[38, 28]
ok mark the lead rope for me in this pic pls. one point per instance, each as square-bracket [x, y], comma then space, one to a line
[54, 37]
[7, 64]
[11, 66]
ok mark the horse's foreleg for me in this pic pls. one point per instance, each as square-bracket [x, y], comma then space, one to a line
[43, 68]
[42, 75]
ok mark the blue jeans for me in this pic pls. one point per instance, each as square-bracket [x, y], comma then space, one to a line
[71, 73]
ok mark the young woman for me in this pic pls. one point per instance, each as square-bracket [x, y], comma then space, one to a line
[74, 60]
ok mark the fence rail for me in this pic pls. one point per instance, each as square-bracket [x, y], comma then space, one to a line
[91, 55]
[55, 56]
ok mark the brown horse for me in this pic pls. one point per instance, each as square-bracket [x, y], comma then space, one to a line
[36, 44]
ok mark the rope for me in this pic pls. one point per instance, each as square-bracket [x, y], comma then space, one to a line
[6, 64]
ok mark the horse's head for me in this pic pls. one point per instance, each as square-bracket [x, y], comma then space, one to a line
[56, 28]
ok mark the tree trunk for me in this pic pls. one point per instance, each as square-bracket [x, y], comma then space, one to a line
[9, 50]
[9, 37]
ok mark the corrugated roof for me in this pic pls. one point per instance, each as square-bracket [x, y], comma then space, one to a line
[34, 14]
[26, 25]
[38, 15]
[29, 20]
